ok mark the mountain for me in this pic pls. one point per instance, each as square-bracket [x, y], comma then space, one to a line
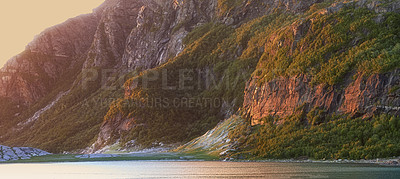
[290, 76]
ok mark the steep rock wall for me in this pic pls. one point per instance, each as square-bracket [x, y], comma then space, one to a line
[364, 96]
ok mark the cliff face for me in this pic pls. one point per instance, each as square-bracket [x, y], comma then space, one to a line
[153, 41]
[363, 97]
[117, 20]
[144, 34]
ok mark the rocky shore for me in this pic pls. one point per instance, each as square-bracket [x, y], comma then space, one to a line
[19, 153]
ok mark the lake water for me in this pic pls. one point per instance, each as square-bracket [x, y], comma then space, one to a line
[165, 169]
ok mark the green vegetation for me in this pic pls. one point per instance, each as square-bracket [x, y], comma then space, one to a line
[226, 6]
[329, 47]
[394, 89]
[339, 137]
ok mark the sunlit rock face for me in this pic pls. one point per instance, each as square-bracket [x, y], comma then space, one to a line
[19, 153]
[363, 97]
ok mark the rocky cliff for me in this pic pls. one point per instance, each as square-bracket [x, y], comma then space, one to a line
[363, 97]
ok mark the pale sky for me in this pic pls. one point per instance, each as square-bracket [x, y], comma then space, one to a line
[21, 20]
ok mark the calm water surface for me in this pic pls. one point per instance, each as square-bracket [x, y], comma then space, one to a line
[164, 169]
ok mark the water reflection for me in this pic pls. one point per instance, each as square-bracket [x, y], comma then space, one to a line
[164, 169]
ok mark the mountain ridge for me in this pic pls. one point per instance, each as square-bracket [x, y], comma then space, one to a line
[272, 59]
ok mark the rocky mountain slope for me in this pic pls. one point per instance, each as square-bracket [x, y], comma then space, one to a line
[151, 73]
[29, 76]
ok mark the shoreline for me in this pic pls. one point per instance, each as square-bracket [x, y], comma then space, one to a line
[170, 156]
[395, 162]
